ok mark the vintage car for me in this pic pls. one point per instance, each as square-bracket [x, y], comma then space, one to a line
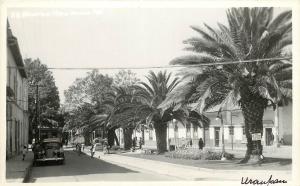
[49, 150]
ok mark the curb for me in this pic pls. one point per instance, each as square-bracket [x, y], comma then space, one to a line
[201, 168]
[118, 161]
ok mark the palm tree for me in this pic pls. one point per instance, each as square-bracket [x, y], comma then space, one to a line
[119, 106]
[151, 96]
[252, 34]
[122, 103]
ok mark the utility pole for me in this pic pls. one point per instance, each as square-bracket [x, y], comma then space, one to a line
[39, 120]
[36, 113]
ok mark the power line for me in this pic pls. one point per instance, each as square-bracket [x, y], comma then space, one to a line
[168, 66]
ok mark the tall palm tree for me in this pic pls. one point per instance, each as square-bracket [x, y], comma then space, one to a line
[151, 96]
[252, 34]
[115, 103]
[120, 112]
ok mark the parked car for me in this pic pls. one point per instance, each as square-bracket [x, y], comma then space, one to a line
[49, 150]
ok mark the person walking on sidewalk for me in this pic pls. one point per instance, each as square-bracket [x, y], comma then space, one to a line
[93, 149]
[24, 151]
[106, 146]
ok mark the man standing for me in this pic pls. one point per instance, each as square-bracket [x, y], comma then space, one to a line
[141, 143]
[134, 143]
[24, 151]
[201, 144]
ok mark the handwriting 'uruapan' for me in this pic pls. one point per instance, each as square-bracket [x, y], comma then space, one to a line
[261, 182]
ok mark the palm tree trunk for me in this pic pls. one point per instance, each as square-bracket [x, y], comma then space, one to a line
[112, 137]
[253, 112]
[161, 136]
[276, 125]
[127, 138]
[87, 137]
[116, 138]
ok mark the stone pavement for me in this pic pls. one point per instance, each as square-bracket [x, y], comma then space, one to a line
[191, 173]
[17, 170]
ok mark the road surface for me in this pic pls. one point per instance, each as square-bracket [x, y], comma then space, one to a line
[83, 168]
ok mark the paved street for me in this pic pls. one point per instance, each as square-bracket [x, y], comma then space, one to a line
[83, 168]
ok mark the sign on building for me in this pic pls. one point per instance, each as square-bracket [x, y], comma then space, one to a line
[256, 136]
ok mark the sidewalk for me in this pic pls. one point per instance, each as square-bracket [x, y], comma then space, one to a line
[268, 151]
[191, 173]
[18, 170]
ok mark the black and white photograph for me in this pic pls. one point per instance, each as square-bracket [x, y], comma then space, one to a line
[148, 94]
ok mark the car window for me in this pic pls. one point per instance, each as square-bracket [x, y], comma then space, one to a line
[52, 145]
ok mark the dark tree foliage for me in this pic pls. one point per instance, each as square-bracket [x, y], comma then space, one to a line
[49, 103]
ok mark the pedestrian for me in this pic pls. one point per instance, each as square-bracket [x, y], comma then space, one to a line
[76, 147]
[201, 144]
[282, 141]
[82, 145]
[79, 149]
[134, 143]
[106, 146]
[141, 143]
[24, 151]
[93, 149]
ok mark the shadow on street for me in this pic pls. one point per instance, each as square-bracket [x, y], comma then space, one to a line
[79, 165]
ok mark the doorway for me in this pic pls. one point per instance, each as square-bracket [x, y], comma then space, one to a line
[269, 137]
[217, 136]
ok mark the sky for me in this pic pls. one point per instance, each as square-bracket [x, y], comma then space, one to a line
[109, 37]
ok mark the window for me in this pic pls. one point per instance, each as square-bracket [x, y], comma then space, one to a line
[244, 132]
[231, 130]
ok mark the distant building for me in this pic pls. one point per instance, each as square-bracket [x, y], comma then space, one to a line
[17, 126]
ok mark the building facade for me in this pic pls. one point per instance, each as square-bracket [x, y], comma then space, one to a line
[179, 135]
[17, 125]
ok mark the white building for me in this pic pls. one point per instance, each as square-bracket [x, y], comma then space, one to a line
[17, 126]
[234, 134]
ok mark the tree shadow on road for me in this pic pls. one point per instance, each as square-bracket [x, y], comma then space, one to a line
[78, 165]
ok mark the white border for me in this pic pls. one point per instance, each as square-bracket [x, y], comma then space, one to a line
[152, 4]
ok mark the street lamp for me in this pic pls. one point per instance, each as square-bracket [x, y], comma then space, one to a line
[219, 116]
